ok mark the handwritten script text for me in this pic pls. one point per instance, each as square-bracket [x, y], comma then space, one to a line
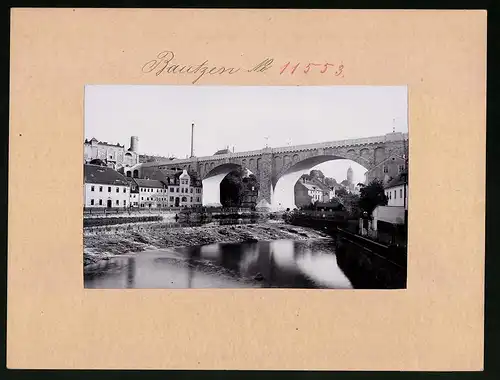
[165, 63]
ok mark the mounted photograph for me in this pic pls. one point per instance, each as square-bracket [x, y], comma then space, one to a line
[245, 187]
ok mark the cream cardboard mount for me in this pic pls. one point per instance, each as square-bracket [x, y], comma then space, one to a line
[434, 324]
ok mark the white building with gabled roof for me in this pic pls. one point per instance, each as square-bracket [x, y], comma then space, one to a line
[104, 187]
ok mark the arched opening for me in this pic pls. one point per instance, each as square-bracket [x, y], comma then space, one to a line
[136, 173]
[284, 194]
[129, 174]
[212, 184]
[239, 188]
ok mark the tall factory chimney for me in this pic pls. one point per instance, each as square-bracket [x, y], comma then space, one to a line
[134, 144]
[192, 137]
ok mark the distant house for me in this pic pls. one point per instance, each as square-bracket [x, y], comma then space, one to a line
[104, 187]
[311, 191]
[160, 190]
[386, 170]
[134, 171]
[396, 191]
[395, 213]
[134, 192]
[152, 193]
[222, 151]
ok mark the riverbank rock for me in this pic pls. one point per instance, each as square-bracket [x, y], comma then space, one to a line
[158, 236]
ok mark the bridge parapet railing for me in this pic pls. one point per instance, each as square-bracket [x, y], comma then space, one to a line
[221, 157]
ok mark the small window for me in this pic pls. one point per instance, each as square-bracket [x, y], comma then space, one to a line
[184, 199]
[171, 199]
[400, 168]
[191, 190]
[100, 202]
[172, 189]
[109, 189]
[91, 202]
[395, 196]
[91, 188]
[117, 202]
[191, 200]
[124, 189]
[142, 198]
[124, 203]
[401, 193]
[117, 189]
[177, 190]
[386, 169]
[100, 189]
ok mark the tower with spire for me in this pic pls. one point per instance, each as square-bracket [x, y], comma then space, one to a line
[349, 175]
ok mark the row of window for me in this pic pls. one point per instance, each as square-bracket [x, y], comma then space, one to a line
[172, 190]
[184, 199]
[117, 203]
[92, 188]
[400, 169]
[389, 194]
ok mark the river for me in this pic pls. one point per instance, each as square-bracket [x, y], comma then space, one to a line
[263, 264]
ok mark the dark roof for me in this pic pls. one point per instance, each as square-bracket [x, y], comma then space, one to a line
[104, 175]
[398, 181]
[149, 183]
[222, 151]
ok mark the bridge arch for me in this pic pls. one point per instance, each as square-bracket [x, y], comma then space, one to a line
[212, 180]
[283, 195]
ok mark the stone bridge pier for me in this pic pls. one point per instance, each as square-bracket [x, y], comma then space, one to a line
[264, 177]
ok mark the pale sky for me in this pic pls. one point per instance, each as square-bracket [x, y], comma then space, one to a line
[246, 117]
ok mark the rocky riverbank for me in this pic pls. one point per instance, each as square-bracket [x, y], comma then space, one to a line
[102, 246]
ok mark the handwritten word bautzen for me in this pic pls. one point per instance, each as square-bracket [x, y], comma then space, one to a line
[164, 63]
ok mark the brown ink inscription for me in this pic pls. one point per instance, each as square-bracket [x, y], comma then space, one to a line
[165, 63]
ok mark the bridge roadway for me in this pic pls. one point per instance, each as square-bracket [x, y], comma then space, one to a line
[278, 169]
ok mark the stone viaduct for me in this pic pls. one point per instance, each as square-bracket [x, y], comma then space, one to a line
[278, 169]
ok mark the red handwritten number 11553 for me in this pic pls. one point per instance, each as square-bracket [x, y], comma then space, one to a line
[324, 67]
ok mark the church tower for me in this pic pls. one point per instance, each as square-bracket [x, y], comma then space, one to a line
[349, 175]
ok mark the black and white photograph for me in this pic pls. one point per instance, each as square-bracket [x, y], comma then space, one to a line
[188, 187]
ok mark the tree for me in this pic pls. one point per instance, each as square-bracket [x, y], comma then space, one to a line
[341, 192]
[235, 185]
[371, 196]
[351, 204]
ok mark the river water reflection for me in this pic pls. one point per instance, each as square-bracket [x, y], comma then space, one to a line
[262, 264]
